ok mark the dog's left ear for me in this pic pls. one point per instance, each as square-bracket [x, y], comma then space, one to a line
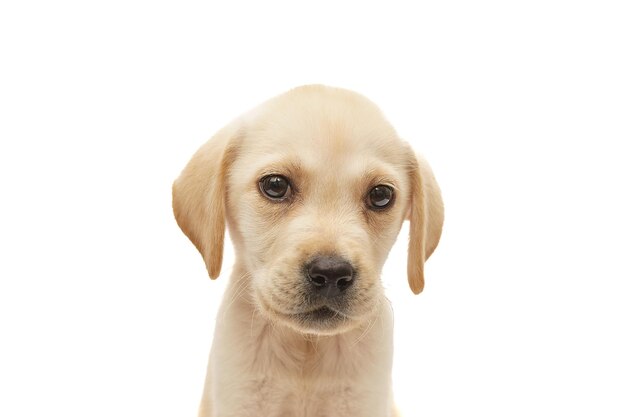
[199, 197]
[426, 217]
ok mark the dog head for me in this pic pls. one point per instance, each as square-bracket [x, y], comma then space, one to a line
[314, 185]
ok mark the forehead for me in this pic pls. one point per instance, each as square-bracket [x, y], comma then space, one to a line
[323, 131]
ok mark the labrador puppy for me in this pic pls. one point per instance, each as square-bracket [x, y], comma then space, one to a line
[314, 186]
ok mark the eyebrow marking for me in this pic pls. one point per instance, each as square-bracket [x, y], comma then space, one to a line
[287, 168]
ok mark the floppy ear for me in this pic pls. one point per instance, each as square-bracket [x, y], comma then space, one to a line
[426, 217]
[199, 197]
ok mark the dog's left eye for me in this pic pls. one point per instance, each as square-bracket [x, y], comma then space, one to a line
[275, 187]
[380, 197]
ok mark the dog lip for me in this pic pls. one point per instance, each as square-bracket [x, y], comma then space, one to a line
[293, 313]
[321, 314]
[317, 315]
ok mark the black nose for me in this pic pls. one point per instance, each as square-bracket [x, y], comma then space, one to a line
[330, 275]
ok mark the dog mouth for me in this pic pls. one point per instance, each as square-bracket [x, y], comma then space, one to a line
[322, 319]
[321, 314]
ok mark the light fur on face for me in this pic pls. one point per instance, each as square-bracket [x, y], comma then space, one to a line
[333, 146]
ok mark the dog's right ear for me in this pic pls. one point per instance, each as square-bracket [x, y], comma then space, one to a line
[199, 197]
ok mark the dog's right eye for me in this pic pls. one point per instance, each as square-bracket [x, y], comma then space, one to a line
[275, 187]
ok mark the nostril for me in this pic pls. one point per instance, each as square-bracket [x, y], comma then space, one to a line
[318, 280]
[343, 283]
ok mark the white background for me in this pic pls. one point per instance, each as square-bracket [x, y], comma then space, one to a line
[106, 308]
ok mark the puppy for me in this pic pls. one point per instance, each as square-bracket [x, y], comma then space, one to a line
[314, 186]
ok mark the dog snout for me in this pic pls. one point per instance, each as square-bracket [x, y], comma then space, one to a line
[330, 275]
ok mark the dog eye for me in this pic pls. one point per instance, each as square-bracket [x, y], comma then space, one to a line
[380, 197]
[275, 187]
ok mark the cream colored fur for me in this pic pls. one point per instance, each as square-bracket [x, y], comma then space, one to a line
[334, 145]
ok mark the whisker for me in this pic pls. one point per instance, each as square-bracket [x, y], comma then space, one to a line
[241, 286]
[370, 326]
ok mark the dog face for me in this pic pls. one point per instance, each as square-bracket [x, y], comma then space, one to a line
[315, 185]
